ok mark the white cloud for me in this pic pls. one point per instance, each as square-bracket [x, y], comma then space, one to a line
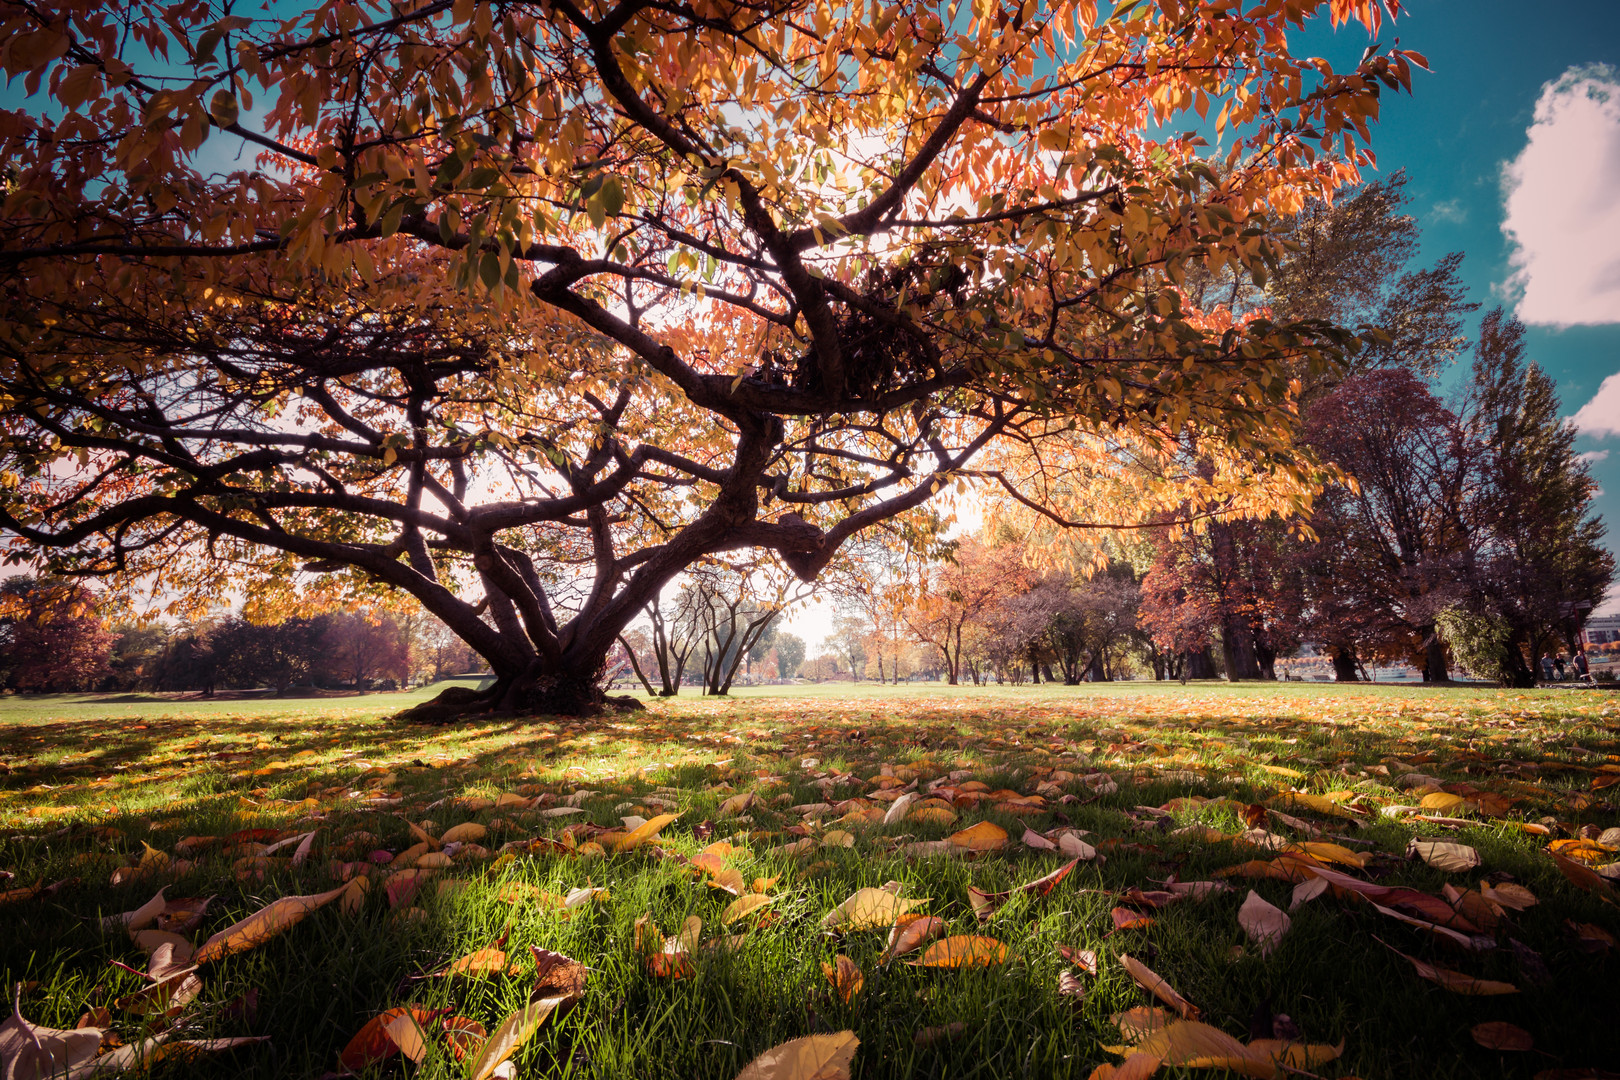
[1601, 415]
[1592, 457]
[1562, 197]
[1451, 210]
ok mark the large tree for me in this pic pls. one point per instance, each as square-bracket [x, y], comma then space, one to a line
[1542, 565]
[523, 308]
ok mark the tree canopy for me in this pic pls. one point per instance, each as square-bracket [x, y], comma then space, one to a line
[523, 308]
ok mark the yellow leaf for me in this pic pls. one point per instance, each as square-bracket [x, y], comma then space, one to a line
[985, 836]
[463, 833]
[814, 1057]
[744, 906]
[643, 833]
[1194, 1045]
[868, 909]
[963, 950]
[1297, 1055]
[1452, 858]
[1444, 802]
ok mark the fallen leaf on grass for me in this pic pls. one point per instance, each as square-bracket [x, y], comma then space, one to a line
[1084, 959]
[1296, 1055]
[1456, 981]
[642, 834]
[30, 1050]
[845, 976]
[1069, 985]
[1452, 858]
[898, 809]
[910, 934]
[168, 994]
[1077, 848]
[1508, 895]
[963, 950]
[463, 1036]
[1498, 1035]
[1126, 919]
[985, 836]
[1306, 891]
[1035, 840]
[262, 925]
[1264, 923]
[928, 1036]
[1157, 986]
[744, 906]
[557, 974]
[140, 918]
[813, 1057]
[407, 1034]
[1135, 1067]
[510, 1036]
[373, 1042]
[867, 909]
[1582, 877]
[466, 832]
[1195, 1045]
[1137, 1023]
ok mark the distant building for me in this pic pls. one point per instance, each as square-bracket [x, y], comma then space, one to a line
[1601, 630]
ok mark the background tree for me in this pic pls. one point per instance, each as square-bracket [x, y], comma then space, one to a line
[790, 650]
[362, 646]
[525, 312]
[1542, 566]
[50, 635]
[247, 654]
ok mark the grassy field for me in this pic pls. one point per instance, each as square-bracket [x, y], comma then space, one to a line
[1165, 783]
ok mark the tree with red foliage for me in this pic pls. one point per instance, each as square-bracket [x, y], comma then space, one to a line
[1240, 578]
[1401, 542]
[53, 638]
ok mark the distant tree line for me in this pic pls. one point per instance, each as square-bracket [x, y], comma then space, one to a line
[52, 639]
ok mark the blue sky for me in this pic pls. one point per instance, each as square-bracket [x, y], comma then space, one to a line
[1474, 118]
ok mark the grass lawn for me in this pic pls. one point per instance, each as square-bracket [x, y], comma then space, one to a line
[1250, 787]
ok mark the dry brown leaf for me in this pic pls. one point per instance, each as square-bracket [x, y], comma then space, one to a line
[928, 1036]
[813, 1057]
[1137, 1023]
[372, 1043]
[1498, 1035]
[28, 1050]
[170, 993]
[910, 934]
[1195, 1045]
[1456, 981]
[744, 906]
[1035, 840]
[262, 925]
[407, 1034]
[1137, 1066]
[845, 976]
[1452, 858]
[1158, 987]
[1297, 1055]
[1264, 923]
